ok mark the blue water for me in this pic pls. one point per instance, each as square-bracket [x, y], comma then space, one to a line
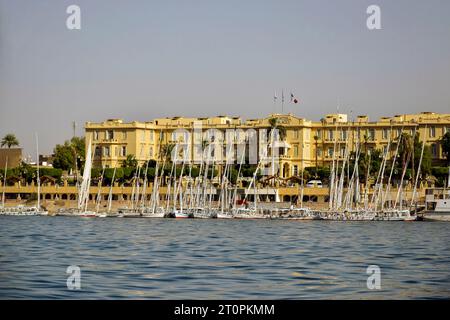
[217, 259]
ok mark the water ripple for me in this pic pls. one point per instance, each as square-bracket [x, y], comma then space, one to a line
[214, 259]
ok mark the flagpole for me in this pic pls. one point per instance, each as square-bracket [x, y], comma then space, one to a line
[275, 102]
[282, 101]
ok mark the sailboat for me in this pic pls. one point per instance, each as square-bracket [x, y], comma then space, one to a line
[99, 196]
[3, 210]
[83, 192]
[39, 211]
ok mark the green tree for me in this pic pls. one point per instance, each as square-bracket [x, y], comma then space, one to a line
[130, 162]
[426, 161]
[51, 172]
[25, 171]
[78, 146]
[445, 142]
[64, 157]
[9, 140]
[441, 175]
[69, 155]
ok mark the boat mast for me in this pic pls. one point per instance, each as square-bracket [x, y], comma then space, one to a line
[399, 191]
[238, 177]
[302, 177]
[169, 185]
[383, 167]
[351, 181]
[175, 195]
[332, 173]
[144, 188]
[211, 180]
[4, 183]
[418, 169]
[180, 184]
[99, 192]
[366, 189]
[110, 190]
[37, 176]
[340, 186]
[388, 186]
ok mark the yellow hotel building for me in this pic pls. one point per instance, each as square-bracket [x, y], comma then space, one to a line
[306, 141]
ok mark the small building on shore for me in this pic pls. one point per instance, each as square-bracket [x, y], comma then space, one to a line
[11, 155]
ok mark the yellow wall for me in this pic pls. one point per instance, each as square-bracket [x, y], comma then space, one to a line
[300, 135]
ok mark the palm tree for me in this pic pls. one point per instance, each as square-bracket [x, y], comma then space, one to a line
[166, 151]
[406, 149]
[275, 124]
[130, 162]
[366, 140]
[9, 140]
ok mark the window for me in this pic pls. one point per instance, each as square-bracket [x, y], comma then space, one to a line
[330, 134]
[295, 134]
[151, 135]
[295, 170]
[295, 151]
[151, 152]
[106, 151]
[385, 134]
[319, 152]
[98, 151]
[123, 151]
[95, 135]
[319, 134]
[434, 150]
[343, 135]
[371, 134]
[432, 132]
[330, 152]
[109, 135]
[124, 135]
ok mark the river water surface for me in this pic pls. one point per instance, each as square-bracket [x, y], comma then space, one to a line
[221, 259]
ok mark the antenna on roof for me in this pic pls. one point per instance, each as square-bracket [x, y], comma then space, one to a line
[74, 128]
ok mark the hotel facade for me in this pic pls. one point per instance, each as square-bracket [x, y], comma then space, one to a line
[305, 143]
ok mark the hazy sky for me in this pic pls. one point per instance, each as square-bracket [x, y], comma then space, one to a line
[138, 60]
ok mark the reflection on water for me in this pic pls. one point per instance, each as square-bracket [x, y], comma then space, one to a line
[215, 259]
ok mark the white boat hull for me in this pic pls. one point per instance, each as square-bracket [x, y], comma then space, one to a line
[436, 216]
[153, 215]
